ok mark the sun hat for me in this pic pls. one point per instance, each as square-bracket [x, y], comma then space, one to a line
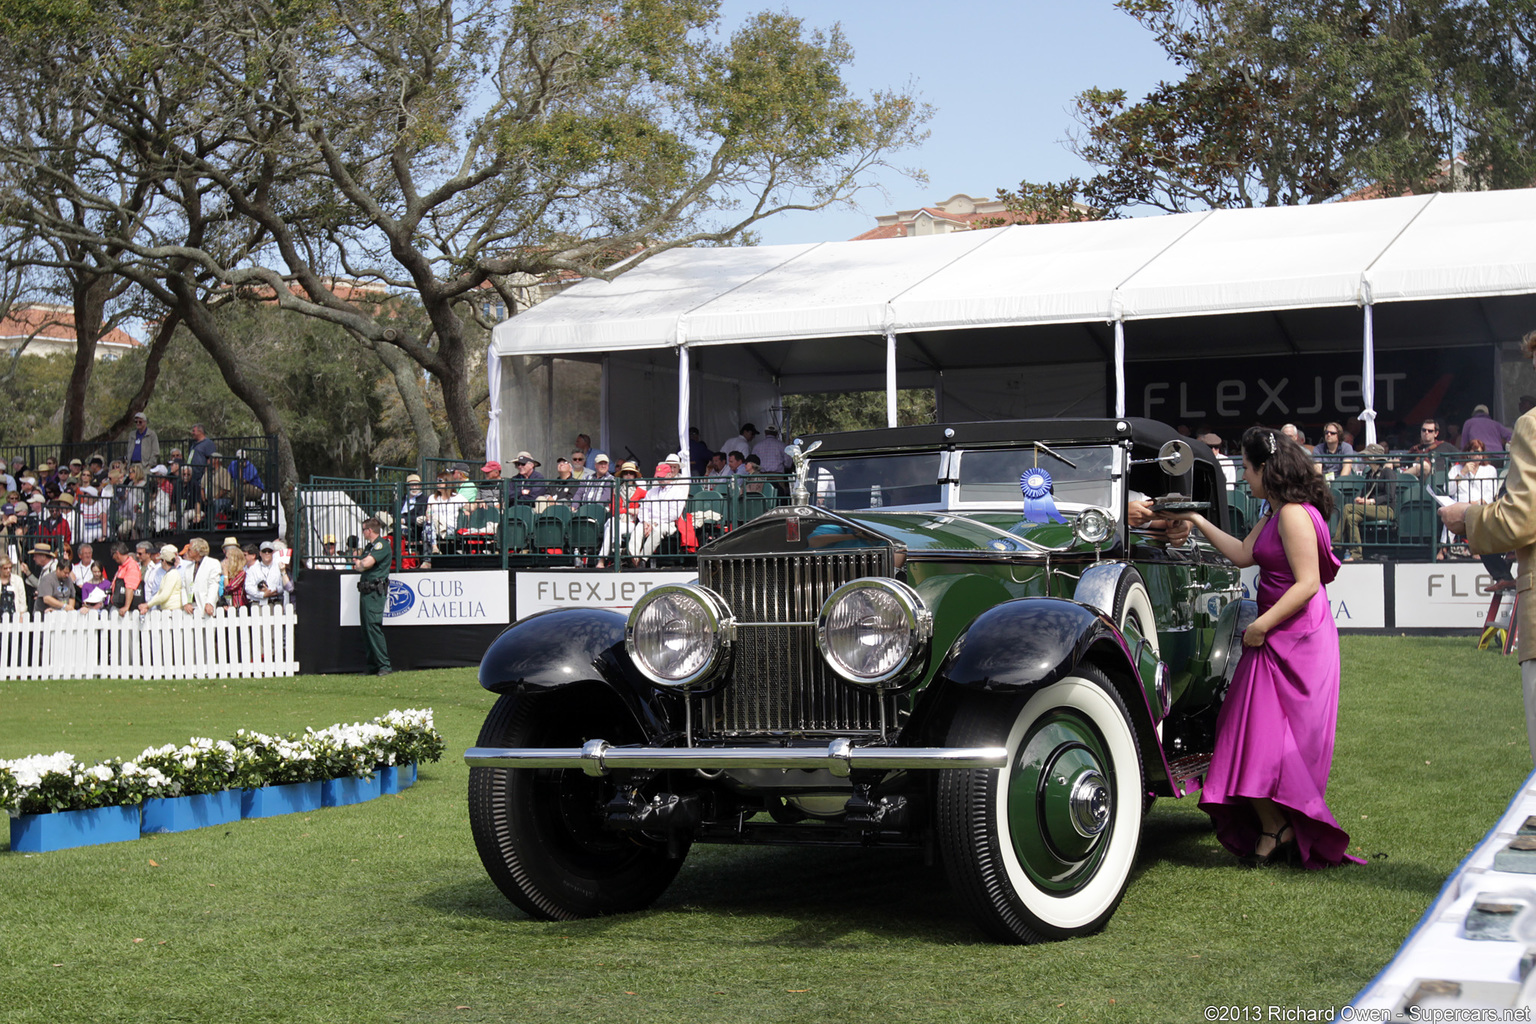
[523, 457]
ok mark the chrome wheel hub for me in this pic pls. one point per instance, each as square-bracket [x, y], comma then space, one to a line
[1089, 804]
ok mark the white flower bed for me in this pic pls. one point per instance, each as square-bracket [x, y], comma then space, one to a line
[44, 783]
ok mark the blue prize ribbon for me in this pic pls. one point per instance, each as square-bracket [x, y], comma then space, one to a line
[1038, 504]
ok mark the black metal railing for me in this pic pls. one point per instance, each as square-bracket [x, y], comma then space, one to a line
[238, 491]
[513, 523]
[1394, 517]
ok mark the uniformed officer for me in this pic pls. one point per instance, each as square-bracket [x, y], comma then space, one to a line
[373, 593]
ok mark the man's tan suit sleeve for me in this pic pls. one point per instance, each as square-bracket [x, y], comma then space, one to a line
[1508, 523]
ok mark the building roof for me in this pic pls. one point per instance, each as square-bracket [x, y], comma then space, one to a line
[55, 322]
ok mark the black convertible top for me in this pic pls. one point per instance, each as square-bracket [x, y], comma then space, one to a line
[1151, 433]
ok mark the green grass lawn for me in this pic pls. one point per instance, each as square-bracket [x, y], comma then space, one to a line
[381, 912]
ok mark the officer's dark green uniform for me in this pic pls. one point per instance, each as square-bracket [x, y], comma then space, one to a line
[373, 595]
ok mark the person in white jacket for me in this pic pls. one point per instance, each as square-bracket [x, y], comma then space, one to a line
[205, 581]
[656, 518]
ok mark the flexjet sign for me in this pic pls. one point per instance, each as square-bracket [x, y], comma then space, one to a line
[1306, 388]
[1282, 396]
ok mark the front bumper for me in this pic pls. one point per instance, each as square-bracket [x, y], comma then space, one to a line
[840, 757]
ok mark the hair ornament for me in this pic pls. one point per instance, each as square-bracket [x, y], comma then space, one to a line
[1269, 441]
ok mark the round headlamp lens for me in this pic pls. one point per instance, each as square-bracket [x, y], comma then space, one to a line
[870, 629]
[674, 635]
[1093, 526]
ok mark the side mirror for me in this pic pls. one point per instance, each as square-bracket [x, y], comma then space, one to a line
[1176, 458]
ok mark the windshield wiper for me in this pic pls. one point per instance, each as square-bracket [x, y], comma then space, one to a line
[1042, 446]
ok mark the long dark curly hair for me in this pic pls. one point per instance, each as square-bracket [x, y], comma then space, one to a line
[1287, 470]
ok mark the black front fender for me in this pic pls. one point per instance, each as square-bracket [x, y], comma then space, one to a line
[576, 647]
[1030, 642]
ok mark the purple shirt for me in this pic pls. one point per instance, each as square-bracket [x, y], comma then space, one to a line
[1494, 435]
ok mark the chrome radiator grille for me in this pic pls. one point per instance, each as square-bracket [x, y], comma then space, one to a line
[780, 683]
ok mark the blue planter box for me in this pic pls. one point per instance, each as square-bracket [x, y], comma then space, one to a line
[181, 813]
[39, 833]
[397, 778]
[270, 801]
[350, 790]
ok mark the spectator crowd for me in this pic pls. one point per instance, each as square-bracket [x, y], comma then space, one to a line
[146, 493]
[114, 579]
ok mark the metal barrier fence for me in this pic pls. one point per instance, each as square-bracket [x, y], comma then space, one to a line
[494, 524]
[134, 504]
[1393, 517]
[232, 643]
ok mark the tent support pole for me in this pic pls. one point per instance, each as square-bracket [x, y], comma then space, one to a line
[683, 400]
[890, 378]
[1119, 368]
[493, 427]
[1368, 377]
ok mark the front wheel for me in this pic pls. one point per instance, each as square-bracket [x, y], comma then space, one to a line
[1043, 848]
[540, 831]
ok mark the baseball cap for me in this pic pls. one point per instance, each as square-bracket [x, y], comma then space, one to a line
[140, 416]
[268, 545]
[600, 458]
[492, 467]
[160, 470]
[168, 553]
[89, 491]
[1479, 410]
[96, 597]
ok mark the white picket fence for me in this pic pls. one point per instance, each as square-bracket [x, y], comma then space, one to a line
[233, 643]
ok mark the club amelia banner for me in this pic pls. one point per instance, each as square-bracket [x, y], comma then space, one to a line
[436, 599]
[544, 591]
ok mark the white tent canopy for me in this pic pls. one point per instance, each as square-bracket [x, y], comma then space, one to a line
[850, 314]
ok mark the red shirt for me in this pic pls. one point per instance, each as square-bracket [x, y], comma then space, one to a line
[129, 573]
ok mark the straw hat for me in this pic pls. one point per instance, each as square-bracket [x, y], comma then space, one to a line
[231, 542]
[629, 467]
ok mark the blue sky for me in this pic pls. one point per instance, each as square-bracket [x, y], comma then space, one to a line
[1001, 75]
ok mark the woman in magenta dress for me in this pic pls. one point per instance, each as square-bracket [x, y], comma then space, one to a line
[1274, 734]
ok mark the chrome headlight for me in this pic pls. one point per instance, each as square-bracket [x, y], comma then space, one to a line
[1093, 526]
[679, 634]
[871, 630]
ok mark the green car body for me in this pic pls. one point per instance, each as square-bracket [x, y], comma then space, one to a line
[911, 652]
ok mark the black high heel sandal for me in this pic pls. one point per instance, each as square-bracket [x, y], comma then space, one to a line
[1282, 851]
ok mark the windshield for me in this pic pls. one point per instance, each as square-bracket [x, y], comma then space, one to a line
[992, 476]
[876, 481]
[985, 477]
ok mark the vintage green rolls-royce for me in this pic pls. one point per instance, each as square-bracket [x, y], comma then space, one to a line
[950, 638]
